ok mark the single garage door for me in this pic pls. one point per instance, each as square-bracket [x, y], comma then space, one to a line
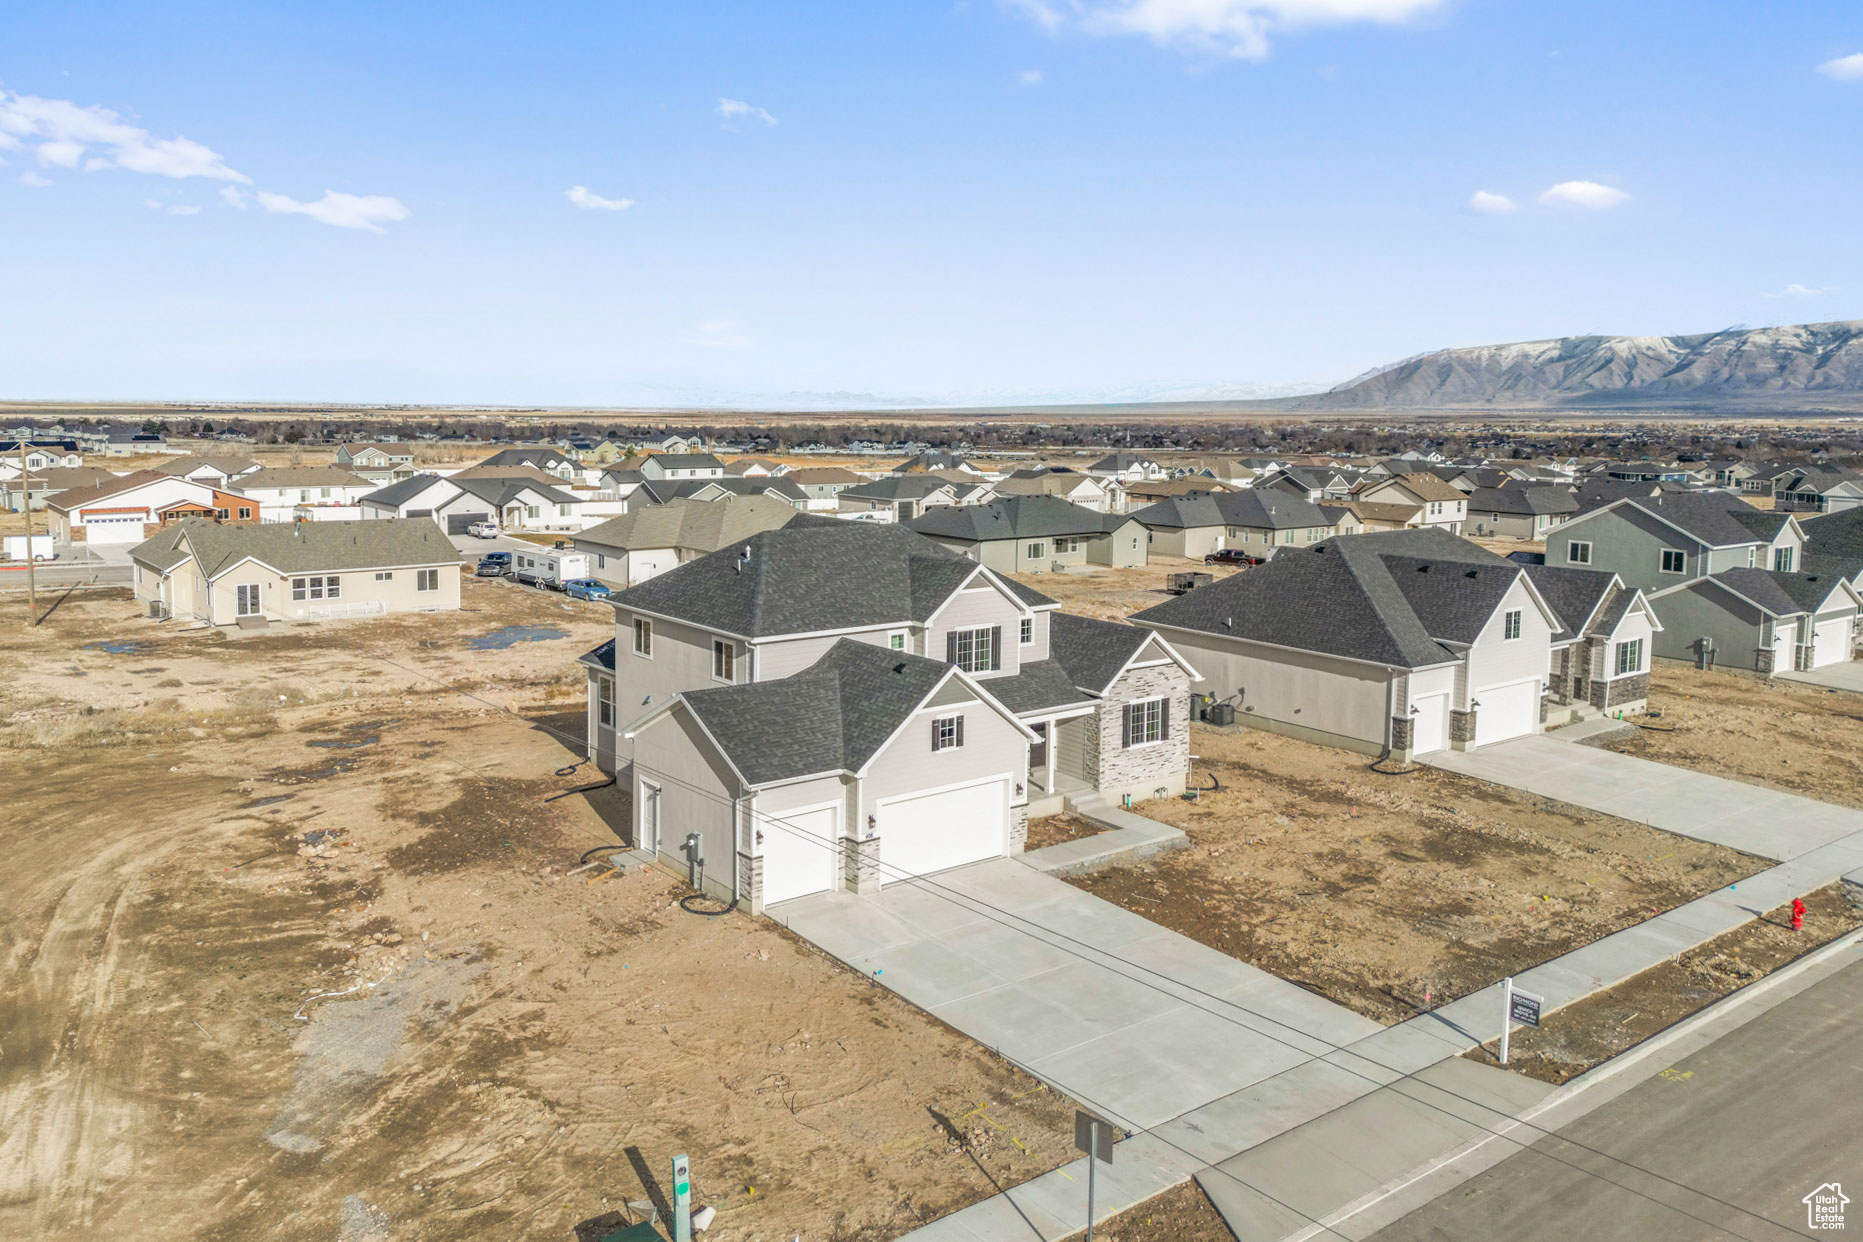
[1833, 643]
[799, 852]
[1429, 728]
[935, 831]
[1507, 711]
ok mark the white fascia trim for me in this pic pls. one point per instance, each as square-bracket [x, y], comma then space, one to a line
[974, 686]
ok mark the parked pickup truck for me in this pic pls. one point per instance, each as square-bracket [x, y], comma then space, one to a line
[1233, 556]
[483, 530]
[493, 565]
[586, 588]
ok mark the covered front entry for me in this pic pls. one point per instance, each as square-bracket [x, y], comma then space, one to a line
[945, 828]
[1506, 711]
[799, 850]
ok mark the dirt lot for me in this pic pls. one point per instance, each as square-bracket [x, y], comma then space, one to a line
[206, 833]
[1580, 1036]
[1377, 890]
[1181, 1214]
[1058, 829]
[1790, 736]
[1115, 594]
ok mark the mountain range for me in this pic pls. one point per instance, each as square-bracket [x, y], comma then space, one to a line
[1815, 363]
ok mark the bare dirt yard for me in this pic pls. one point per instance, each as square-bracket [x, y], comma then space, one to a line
[1784, 734]
[293, 949]
[1574, 1039]
[1181, 1214]
[1115, 594]
[1378, 891]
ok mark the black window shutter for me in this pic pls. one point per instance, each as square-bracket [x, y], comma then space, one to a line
[996, 647]
[934, 733]
[1164, 719]
[950, 647]
[960, 731]
[1125, 714]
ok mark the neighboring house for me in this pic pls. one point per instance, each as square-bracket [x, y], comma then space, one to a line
[675, 443]
[1151, 491]
[285, 487]
[123, 443]
[1834, 545]
[518, 504]
[1759, 620]
[1401, 643]
[42, 486]
[420, 495]
[823, 485]
[1076, 489]
[1035, 534]
[1601, 655]
[1128, 468]
[1732, 471]
[1314, 483]
[631, 549]
[40, 457]
[1657, 541]
[1258, 521]
[899, 497]
[1112, 705]
[378, 463]
[126, 509]
[605, 452]
[300, 571]
[551, 461]
[1369, 516]
[755, 467]
[1820, 491]
[665, 491]
[1443, 504]
[1231, 470]
[1519, 512]
[681, 467]
[935, 459]
[221, 472]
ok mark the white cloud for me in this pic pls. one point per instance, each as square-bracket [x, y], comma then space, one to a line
[34, 180]
[60, 132]
[344, 211]
[153, 204]
[1588, 194]
[732, 109]
[582, 197]
[1031, 77]
[184, 209]
[1493, 204]
[1230, 29]
[1796, 290]
[1844, 68]
[233, 196]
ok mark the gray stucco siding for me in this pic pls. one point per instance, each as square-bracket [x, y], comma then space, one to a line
[697, 793]
[1706, 616]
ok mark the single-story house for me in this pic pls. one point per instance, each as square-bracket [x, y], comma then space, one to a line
[284, 487]
[823, 485]
[899, 497]
[1760, 620]
[665, 491]
[1127, 468]
[551, 461]
[755, 467]
[1076, 489]
[221, 472]
[1035, 534]
[1141, 492]
[1258, 521]
[650, 541]
[297, 571]
[1518, 512]
[1401, 643]
[935, 459]
[125, 509]
[681, 467]
[42, 485]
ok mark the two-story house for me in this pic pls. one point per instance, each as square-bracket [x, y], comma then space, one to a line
[681, 467]
[1655, 542]
[1260, 521]
[378, 463]
[1443, 504]
[1101, 708]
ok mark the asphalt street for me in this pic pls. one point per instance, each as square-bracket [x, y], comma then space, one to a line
[1725, 1144]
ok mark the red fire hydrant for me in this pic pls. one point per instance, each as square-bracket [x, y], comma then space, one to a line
[1798, 914]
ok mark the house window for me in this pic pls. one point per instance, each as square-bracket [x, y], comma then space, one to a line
[562, 511]
[245, 513]
[724, 660]
[1577, 553]
[1782, 560]
[385, 575]
[1027, 634]
[601, 561]
[896, 641]
[1147, 721]
[643, 637]
[1067, 543]
[1510, 625]
[1752, 557]
[1630, 657]
[533, 511]
[323, 493]
[605, 701]
[1287, 536]
[1673, 562]
[1037, 551]
[974, 650]
[426, 580]
[947, 732]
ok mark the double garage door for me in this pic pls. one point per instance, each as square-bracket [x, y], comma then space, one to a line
[1832, 644]
[115, 528]
[1507, 711]
[918, 835]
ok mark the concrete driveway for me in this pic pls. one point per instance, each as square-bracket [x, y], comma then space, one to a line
[1847, 676]
[1105, 1006]
[1691, 804]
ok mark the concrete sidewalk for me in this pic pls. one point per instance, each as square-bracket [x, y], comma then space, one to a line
[1845, 676]
[1746, 817]
[1128, 837]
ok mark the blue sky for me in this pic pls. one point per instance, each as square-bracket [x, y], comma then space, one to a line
[1060, 199]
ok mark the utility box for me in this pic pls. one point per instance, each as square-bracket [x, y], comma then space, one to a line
[1221, 714]
[1179, 584]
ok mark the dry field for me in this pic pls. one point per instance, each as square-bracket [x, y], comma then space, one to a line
[1379, 890]
[1785, 734]
[207, 833]
[1115, 594]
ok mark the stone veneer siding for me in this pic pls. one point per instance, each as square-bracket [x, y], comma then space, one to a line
[1141, 771]
[1401, 729]
[1018, 829]
[750, 881]
[1608, 696]
[1461, 728]
[1762, 660]
[860, 865]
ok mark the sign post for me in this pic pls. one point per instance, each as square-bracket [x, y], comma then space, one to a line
[682, 1199]
[1093, 1135]
[1521, 1007]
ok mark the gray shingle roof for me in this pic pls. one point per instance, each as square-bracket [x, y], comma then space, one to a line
[1522, 501]
[1834, 543]
[898, 487]
[398, 494]
[1764, 588]
[663, 491]
[1702, 515]
[299, 476]
[687, 461]
[302, 547]
[1041, 685]
[812, 575]
[525, 457]
[692, 525]
[835, 714]
[1260, 509]
[1573, 593]
[1015, 517]
[1093, 651]
[1370, 597]
[502, 492]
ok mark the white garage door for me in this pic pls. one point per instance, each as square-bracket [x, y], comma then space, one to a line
[1507, 711]
[798, 852]
[1429, 728]
[1833, 643]
[114, 529]
[946, 829]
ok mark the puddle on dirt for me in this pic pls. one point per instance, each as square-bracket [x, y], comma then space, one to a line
[344, 743]
[317, 836]
[511, 635]
[274, 800]
[121, 646]
[297, 776]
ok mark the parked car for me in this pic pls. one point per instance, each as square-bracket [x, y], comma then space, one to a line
[493, 565]
[483, 530]
[586, 588]
[1233, 556]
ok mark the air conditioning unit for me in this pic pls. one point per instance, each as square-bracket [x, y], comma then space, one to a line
[1221, 714]
[158, 610]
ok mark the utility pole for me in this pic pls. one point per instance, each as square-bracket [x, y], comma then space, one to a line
[32, 586]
